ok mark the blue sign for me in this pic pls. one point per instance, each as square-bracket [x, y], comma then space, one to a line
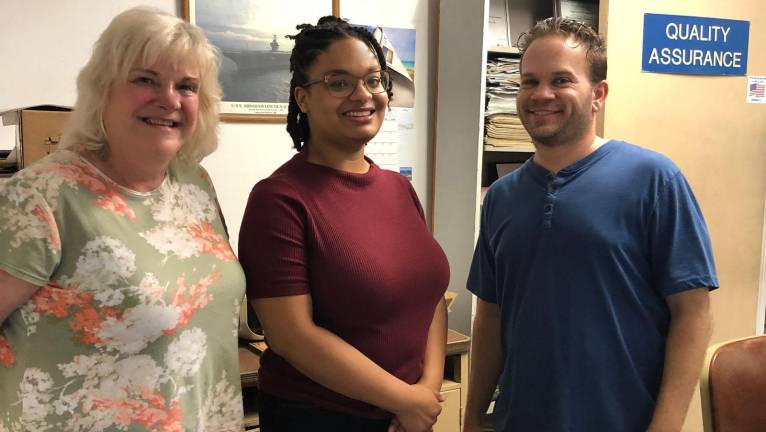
[695, 45]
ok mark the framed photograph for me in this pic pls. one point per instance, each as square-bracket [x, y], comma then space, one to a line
[255, 69]
[399, 50]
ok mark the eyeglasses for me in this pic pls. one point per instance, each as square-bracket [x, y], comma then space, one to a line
[343, 84]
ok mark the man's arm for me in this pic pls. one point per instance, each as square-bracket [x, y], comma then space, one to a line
[486, 363]
[688, 337]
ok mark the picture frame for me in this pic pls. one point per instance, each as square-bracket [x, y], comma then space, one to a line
[255, 68]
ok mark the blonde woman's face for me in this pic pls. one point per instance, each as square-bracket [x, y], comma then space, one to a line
[152, 113]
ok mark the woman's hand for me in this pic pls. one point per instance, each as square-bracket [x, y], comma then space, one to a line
[420, 410]
[395, 426]
[332, 362]
[429, 385]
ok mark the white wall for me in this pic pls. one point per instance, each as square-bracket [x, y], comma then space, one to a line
[420, 15]
[459, 140]
[247, 153]
[44, 43]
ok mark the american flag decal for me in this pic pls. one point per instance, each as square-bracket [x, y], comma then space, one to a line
[757, 89]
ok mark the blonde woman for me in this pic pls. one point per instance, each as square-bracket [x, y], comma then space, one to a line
[118, 288]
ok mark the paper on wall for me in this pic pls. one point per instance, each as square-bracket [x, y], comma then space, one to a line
[756, 87]
[384, 148]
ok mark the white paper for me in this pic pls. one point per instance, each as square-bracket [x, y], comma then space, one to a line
[7, 137]
[384, 148]
[498, 24]
[756, 85]
[580, 11]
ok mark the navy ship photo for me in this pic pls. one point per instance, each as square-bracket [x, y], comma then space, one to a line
[251, 75]
[262, 60]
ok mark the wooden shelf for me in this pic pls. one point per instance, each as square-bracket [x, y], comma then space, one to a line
[503, 50]
[490, 148]
[249, 363]
[457, 343]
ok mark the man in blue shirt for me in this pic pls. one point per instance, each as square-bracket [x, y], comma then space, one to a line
[592, 268]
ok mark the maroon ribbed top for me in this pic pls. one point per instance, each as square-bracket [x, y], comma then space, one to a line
[358, 243]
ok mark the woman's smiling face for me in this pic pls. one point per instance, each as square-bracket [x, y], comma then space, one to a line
[349, 121]
[153, 112]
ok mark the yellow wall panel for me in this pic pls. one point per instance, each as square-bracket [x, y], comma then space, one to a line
[718, 140]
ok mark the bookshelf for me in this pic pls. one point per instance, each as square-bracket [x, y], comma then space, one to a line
[505, 140]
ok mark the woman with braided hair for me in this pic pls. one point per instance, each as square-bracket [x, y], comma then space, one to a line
[341, 269]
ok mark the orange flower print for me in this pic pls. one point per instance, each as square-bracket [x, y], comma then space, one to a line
[150, 411]
[87, 323]
[75, 172]
[47, 219]
[53, 301]
[113, 201]
[7, 356]
[60, 303]
[192, 298]
[80, 173]
[210, 242]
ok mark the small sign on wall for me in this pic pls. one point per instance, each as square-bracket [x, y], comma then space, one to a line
[695, 45]
[756, 89]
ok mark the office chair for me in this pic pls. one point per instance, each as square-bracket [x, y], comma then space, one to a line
[733, 386]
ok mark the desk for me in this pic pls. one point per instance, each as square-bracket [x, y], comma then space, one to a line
[454, 387]
[455, 384]
[249, 363]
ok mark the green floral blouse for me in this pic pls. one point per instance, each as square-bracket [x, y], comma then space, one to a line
[134, 326]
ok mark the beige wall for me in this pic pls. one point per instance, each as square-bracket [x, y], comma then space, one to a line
[718, 140]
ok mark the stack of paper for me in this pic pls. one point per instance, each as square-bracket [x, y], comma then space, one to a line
[503, 129]
[506, 130]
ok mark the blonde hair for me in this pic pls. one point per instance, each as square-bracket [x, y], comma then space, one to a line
[139, 37]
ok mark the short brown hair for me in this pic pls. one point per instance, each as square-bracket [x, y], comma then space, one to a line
[595, 46]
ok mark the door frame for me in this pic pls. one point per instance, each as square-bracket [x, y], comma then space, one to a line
[760, 319]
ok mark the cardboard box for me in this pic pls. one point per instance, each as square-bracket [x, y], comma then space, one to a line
[38, 130]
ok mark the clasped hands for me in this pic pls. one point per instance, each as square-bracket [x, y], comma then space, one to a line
[418, 412]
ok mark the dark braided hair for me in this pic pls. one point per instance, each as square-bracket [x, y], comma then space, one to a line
[310, 42]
